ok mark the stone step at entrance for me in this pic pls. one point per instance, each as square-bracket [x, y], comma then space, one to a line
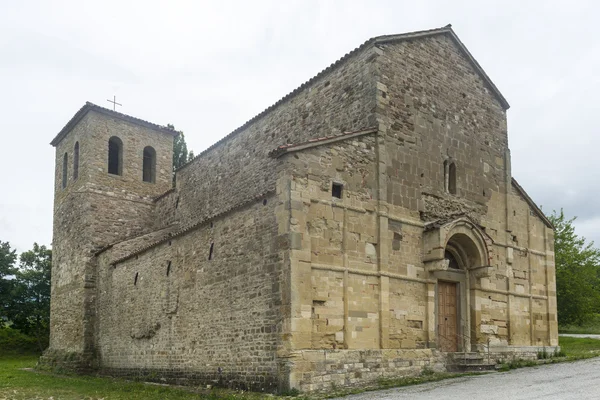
[469, 362]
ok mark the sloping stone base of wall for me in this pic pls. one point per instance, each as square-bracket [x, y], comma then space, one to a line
[266, 383]
[500, 354]
[79, 362]
[87, 364]
[322, 370]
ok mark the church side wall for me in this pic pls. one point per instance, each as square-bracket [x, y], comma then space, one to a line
[239, 168]
[166, 210]
[196, 317]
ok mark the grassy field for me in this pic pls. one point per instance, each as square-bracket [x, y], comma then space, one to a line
[578, 348]
[19, 384]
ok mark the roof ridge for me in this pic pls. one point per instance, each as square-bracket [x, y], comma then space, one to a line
[321, 140]
[184, 230]
[132, 237]
[280, 101]
[89, 106]
[531, 203]
[374, 40]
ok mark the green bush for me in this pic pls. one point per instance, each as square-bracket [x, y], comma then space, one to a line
[13, 341]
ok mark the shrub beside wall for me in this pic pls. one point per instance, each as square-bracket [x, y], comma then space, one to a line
[13, 341]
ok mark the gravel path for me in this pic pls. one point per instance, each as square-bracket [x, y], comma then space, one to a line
[565, 381]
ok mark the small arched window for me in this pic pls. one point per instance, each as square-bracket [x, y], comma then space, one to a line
[65, 167]
[115, 156]
[149, 165]
[76, 161]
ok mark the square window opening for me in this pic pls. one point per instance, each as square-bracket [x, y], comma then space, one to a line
[336, 190]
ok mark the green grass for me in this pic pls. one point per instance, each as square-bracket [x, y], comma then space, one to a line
[578, 348]
[19, 384]
[592, 326]
[572, 349]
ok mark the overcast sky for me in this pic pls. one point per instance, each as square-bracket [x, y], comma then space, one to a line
[207, 67]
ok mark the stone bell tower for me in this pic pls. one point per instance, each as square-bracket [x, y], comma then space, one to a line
[109, 168]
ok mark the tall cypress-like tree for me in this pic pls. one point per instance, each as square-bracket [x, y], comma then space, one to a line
[180, 151]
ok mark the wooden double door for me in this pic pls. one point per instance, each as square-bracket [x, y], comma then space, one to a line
[447, 294]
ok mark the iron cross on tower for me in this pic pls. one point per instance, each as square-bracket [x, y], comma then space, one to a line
[114, 103]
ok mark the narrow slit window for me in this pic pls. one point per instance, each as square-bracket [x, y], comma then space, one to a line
[336, 190]
[446, 176]
[76, 161]
[210, 252]
[65, 167]
[168, 268]
[135, 279]
[149, 165]
[115, 156]
[452, 178]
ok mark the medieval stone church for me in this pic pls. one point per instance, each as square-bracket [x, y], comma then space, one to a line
[366, 225]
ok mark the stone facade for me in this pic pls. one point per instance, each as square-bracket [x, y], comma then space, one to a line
[364, 226]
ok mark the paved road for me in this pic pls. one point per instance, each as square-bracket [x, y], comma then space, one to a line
[579, 335]
[565, 381]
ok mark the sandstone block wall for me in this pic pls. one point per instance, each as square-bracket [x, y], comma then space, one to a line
[323, 371]
[239, 168]
[202, 307]
[434, 107]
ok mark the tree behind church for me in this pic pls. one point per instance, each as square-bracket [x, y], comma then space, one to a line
[8, 257]
[180, 151]
[577, 273]
[29, 309]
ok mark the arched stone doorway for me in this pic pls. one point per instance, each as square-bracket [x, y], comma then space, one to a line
[456, 254]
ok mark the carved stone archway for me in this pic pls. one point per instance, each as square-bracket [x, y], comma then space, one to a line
[456, 253]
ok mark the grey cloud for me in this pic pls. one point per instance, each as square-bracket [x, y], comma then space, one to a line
[208, 68]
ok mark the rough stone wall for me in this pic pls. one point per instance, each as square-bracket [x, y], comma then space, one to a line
[433, 107]
[328, 237]
[345, 308]
[166, 210]
[179, 313]
[323, 371]
[239, 168]
[521, 308]
[94, 210]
